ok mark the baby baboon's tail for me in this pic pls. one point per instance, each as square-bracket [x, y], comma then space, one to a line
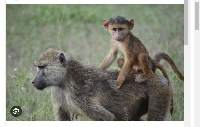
[166, 57]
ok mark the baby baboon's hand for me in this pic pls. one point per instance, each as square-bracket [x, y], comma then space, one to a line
[114, 84]
[99, 70]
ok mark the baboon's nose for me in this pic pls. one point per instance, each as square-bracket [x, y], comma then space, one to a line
[33, 81]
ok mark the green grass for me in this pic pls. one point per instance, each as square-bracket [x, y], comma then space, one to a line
[78, 29]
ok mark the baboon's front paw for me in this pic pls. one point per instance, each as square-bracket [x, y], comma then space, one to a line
[141, 78]
[115, 85]
[99, 70]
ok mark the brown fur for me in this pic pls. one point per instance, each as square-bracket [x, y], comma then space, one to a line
[80, 89]
[131, 48]
[157, 57]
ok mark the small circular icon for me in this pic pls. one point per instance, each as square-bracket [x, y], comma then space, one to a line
[16, 111]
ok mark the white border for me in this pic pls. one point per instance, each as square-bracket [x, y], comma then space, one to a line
[95, 124]
[78, 123]
[191, 34]
[3, 63]
[94, 2]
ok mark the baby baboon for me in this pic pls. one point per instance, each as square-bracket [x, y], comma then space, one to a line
[80, 89]
[131, 48]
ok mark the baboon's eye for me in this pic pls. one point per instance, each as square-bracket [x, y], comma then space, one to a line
[114, 29]
[40, 67]
[120, 29]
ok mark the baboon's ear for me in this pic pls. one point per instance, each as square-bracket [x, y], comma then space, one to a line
[131, 24]
[105, 24]
[62, 59]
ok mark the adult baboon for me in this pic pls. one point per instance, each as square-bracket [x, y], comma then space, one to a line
[80, 89]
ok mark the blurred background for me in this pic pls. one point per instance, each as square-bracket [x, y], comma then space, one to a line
[78, 30]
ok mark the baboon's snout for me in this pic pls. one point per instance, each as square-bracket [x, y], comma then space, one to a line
[38, 83]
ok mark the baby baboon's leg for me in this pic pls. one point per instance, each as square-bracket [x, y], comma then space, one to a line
[145, 66]
[59, 104]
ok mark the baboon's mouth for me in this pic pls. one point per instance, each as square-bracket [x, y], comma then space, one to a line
[119, 39]
[39, 87]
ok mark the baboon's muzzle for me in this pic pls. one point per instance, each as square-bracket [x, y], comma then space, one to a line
[38, 83]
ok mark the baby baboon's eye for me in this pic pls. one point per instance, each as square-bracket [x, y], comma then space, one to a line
[114, 29]
[120, 29]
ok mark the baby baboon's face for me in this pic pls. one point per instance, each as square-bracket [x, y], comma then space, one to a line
[51, 70]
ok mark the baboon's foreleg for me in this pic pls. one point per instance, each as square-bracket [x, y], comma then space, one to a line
[76, 116]
[59, 104]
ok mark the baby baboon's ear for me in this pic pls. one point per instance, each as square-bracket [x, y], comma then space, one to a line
[62, 59]
[105, 24]
[131, 24]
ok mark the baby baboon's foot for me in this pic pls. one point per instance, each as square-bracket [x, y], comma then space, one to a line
[142, 77]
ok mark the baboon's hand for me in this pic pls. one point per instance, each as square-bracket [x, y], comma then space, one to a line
[99, 70]
[102, 73]
[114, 84]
